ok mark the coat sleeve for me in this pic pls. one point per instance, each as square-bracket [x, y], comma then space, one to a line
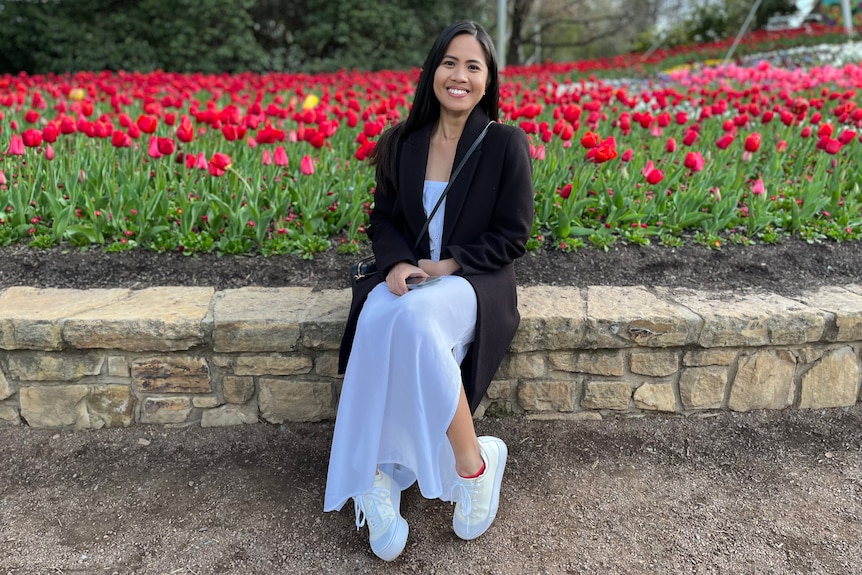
[387, 240]
[511, 220]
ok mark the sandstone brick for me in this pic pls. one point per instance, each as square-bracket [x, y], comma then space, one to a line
[703, 387]
[744, 320]
[9, 415]
[153, 319]
[628, 316]
[228, 415]
[33, 318]
[655, 397]
[608, 363]
[326, 364]
[547, 395]
[324, 320]
[606, 395]
[6, 389]
[118, 366]
[500, 389]
[654, 363]
[111, 406]
[525, 366]
[273, 365]
[165, 410]
[238, 389]
[832, 381]
[703, 357]
[55, 406]
[552, 318]
[576, 416]
[845, 305]
[295, 400]
[54, 367]
[764, 380]
[206, 401]
[168, 374]
[257, 319]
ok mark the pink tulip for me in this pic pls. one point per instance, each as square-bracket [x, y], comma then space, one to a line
[154, 148]
[266, 158]
[307, 166]
[49, 152]
[202, 163]
[758, 189]
[16, 146]
[2, 178]
[280, 156]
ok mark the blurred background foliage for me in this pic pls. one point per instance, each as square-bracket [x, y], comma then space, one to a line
[54, 36]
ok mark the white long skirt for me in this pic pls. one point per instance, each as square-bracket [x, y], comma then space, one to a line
[401, 388]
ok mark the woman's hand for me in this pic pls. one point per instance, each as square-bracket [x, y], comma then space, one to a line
[445, 267]
[395, 279]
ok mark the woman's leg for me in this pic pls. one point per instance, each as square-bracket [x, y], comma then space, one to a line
[462, 437]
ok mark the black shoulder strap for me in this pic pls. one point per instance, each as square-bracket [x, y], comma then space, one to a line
[454, 175]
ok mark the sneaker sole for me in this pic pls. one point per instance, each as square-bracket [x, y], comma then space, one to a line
[495, 498]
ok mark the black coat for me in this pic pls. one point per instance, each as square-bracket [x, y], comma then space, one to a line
[487, 222]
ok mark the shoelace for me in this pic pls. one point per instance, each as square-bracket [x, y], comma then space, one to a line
[462, 492]
[372, 507]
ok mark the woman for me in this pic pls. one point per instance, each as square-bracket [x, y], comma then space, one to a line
[421, 360]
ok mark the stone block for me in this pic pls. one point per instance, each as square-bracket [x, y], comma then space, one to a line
[237, 389]
[111, 406]
[764, 380]
[750, 319]
[9, 415]
[655, 397]
[703, 387]
[832, 381]
[228, 415]
[273, 364]
[54, 367]
[702, 357]
[165, 410]
[325, 318]
[654, 363]
[55, 406]
[118, 366]
[500, 389]
[629, 316]
[295, 400]
[576, 416]
[845, 305]
[206, 401]
[608, 363]
[523, 366]
[326, 364]
[606, 395]
[167, 374]
[255, 319]
[547, 395]
[153, 319]
[6, 389]
[33, 318]
[552, 318]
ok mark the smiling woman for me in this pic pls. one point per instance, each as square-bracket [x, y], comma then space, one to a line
[419, 361]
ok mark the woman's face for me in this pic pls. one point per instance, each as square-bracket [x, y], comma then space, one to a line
[461, 77]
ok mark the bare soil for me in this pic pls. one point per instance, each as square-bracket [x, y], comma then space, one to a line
[763, 492]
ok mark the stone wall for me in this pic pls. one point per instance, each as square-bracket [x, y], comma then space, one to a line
[193, 356]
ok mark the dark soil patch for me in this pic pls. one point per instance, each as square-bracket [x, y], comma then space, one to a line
[785, 268]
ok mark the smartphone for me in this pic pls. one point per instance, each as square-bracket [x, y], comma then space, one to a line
[420, 282]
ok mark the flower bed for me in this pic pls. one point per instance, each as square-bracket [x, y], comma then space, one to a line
[277, 163]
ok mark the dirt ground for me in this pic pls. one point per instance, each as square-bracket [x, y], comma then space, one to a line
[774, 493]
[766, 492]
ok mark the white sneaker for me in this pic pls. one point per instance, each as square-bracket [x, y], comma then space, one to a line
[379, 508]
[477, 501]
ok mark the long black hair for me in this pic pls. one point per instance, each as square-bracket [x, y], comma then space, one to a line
[426, 107]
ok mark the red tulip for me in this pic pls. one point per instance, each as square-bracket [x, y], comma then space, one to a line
[690, 137]
[825, 130]
[832, 146]
[365, 150]
[752, 142]
[767, 117]
[806, 132]
[51, 132]
[670, 146]
[166, 146]
[846, 137]
[694, 161]
[31, 117]
[781, 146]
[590, 140]
[147, 124]
[725, 141]
[120, 139]
[306, 166]
[627, 155]
[219, 163]
[185, 131]
[67, 126]
[604, 152]
[654, 176]
[32, 138]
[565, 191]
